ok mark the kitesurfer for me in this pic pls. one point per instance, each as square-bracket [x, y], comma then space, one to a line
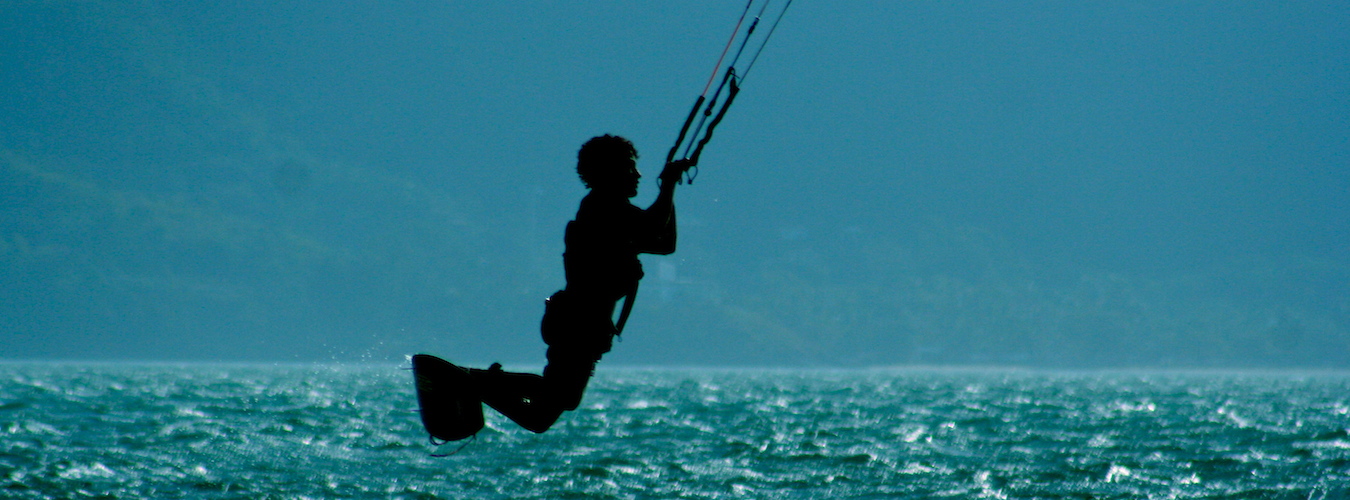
[601, 267]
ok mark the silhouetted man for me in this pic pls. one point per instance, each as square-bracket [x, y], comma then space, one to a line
[601, 266]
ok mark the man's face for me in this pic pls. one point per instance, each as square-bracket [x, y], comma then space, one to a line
[629, 176]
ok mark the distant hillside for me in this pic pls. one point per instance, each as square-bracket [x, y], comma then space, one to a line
[949, 296]
[322, 260]
[254, 269]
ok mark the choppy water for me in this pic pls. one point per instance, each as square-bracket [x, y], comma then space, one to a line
[128, 431]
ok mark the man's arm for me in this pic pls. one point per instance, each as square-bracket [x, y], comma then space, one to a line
[659, 218]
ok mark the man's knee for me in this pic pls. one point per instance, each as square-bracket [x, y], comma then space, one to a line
[566, 380]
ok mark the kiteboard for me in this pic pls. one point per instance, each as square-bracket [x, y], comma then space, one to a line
[446, 394]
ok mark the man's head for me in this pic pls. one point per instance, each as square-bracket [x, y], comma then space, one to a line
[609, 163]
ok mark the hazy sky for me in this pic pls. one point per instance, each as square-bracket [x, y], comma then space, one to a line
[1170, 126]
[1150, 136]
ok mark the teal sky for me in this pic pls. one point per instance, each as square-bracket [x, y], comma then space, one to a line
[1133, 137]
[1167, 127]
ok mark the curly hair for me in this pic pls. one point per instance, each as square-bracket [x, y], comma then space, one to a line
[600, 154]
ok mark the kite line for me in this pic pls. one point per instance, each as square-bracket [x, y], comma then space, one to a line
[732, 79]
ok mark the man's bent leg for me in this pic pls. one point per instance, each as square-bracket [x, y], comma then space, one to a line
[566, 376]
[521, 397]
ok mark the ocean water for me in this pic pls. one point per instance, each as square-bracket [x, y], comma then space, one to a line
[227, 431]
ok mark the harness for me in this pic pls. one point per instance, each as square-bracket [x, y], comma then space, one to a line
[627, 309]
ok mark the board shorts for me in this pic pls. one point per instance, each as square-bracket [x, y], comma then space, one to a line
[578, 333]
